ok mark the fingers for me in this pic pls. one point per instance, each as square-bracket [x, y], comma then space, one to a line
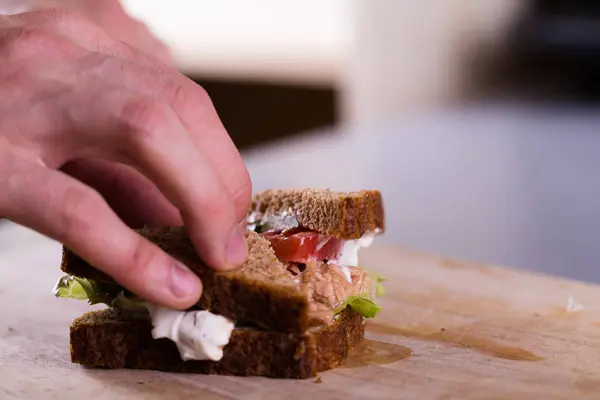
[162, 148]
[148, 135]
[198, 115]
[134, 198]
[72, 213]
[196, 112]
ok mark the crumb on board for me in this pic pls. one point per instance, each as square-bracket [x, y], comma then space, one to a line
[318, 379]
[442, 329]
[140, 382]
[573, 306]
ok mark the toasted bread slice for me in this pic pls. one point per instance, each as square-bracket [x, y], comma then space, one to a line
[113, 339]
[344, 215]
[261, 291]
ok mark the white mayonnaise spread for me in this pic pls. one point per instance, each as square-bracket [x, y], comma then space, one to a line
[199, 335]
[252, 220]
[349, 254]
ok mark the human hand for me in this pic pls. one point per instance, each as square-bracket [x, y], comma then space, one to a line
[71, 95]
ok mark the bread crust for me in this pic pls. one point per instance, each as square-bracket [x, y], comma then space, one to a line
[113, 339]
[344, 215]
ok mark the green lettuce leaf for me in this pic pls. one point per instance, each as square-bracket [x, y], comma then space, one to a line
[72, 287]
[377, 288]
[365, 303]
[377, 279]
[364, 306]
[125, 302]
[69, 288]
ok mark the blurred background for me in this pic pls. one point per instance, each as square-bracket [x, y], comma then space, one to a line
[281, 68]
[476, 119]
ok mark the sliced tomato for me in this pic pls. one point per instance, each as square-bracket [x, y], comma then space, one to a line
[300, 245]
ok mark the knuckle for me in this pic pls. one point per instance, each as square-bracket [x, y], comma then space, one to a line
[64, 16]
[14, 79]
[216, 206]
[123, 50]
[71, 23]
[181, 94]
[200, 95]
[79, 207]
[29, 42]
[142, 255]
[145, 118]
[189, 97]
[242, 192]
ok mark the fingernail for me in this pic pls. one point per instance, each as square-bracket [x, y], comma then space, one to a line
[184, 283]
[237, 250]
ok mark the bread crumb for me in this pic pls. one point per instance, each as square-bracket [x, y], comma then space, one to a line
[572, 306]
[318, 380]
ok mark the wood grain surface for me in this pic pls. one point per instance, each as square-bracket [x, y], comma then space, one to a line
[448, 329]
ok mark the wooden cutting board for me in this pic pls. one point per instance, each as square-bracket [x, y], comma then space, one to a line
[449, 329]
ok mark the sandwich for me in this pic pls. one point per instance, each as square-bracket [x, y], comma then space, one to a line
[295, 308]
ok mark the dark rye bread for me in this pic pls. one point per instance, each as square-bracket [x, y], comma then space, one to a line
[110, 338]
[260, 291]
[344, 215]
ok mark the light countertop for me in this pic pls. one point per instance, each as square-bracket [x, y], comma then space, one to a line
[444, 325]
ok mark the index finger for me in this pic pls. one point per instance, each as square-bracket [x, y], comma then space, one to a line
[196, 113]
[155, 142]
